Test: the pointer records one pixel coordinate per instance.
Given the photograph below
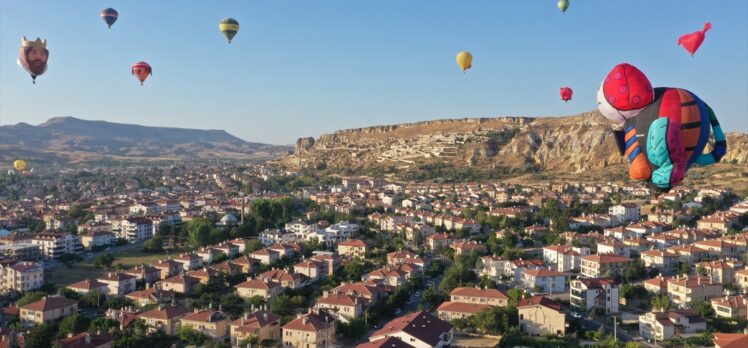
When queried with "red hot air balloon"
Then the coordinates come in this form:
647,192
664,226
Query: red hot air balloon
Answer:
566,93
142,70
692,41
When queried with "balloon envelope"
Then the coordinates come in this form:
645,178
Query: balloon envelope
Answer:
142,70
691,42
109,15
563,5
20,165
229,27
465,60
33,57
566,93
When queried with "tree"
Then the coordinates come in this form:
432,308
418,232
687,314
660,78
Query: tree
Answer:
104,325
635,271
433,296
40,336
68,259
661,302
683,268
354,329
253,245
154,245
191,336
30,298
104,261
73,324
232,304
94,299
515,295
198,230
354,270
704,309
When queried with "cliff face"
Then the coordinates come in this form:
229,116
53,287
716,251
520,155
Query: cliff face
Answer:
573,144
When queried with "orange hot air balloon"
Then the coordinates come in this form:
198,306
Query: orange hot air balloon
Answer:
566,93
142,70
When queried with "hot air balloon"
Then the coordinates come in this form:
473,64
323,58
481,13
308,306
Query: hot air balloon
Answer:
465,60
665,129
33,57
691,42
563,5
229,27
20,165
142,70
566,93
109,15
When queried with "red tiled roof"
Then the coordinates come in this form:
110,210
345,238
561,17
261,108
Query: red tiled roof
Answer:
474,292
312,322
167,312
421,325
460,307
49,303
539,301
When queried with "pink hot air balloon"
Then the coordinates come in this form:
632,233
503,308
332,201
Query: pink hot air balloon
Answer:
692,41
566,93
142,70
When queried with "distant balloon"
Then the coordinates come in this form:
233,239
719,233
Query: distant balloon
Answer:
229,27
33,57
563,5
465,60
142,70
109,15
691,42
566,93
20,165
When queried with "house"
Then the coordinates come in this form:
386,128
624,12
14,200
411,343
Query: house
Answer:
686,290
665,261
387,275
87,340
468,247
261,324
230,249
491,297
47,309
399,257
265,256
181,284
287,250
599,265
722,271
589,293
151,295
664,325
627,212
101,239
144,273
214,324
85,286
21,276
613,246
540,315
564,257
438,240
209,255
343,308
459,310
189,261
418,329
311,269
543,280
246,264
355,248
728,340
731,307
164,319
287,280
741,279
272,236
119,283
389,342
330,261
689,254
369,293
168,268
135,229
313,330
657,285
257,287
53,245
721,249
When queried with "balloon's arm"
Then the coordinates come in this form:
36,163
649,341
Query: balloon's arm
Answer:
720,143
619,135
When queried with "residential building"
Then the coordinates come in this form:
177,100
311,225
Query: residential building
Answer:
459,310
343,308
600,265
85,286
164,319
214,324
261,324
53,245
419,329
181,284
728,340
664,325
21,252
665,261
135,229
540,315
20,276
257,287
626,212
491,297
47,309
587,294
543,280
355,248
686,290
564,257
313,330
731,307
119,283
98,239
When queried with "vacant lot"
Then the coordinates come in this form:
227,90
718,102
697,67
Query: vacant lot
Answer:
475,341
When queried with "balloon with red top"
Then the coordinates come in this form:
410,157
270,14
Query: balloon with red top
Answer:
142,70
566,93
624,93
691,42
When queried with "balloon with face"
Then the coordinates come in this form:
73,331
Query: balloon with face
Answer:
141,70
33,56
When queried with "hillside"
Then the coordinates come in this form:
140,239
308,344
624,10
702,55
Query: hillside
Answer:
580,145
72,140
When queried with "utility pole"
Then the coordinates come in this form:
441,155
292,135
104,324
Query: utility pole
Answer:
615,329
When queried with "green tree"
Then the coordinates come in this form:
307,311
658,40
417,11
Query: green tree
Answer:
30,297
232,304
68,259
354,270
73,324
191,336
198,231
104,325
40,336
253,245
635,271
661,302
154,245
354,329
104,261
515,295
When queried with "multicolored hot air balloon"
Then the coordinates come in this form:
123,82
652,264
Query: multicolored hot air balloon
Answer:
563,5
465,60
691,42
142,70
109,15
19,164
566,93
33,57
665,129
229,27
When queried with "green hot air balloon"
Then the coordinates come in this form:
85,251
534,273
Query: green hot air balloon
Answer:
563,5
229,27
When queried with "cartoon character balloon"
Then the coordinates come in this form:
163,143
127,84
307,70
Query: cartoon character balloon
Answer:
142,70
19,164
563,5
229,27
691,42
465,60
566,93
665,129
33,57
109,15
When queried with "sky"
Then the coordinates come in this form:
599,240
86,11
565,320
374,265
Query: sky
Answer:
302,68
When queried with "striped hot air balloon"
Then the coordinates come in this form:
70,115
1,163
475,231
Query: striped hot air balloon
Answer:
109,15
229,27
142,70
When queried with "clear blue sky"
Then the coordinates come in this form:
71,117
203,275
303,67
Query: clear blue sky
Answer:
301,68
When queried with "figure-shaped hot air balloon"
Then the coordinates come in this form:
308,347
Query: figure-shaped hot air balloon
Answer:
142,70
691,42
465,60
109,15
665,129
19,164
566,93
229,27
563,5
33,57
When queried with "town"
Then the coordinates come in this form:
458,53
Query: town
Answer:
229,255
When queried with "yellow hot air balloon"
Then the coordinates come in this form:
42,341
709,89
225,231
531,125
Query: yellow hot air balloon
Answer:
465,60
20,165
